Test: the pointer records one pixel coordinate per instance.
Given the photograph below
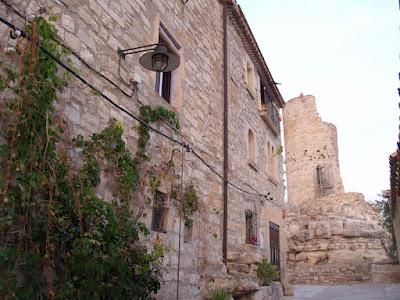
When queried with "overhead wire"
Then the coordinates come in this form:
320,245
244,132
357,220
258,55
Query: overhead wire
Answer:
75,54
188,147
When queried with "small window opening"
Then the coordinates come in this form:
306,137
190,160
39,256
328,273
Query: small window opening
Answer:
324,180
250,76
164,79
159,212
264,96
188,233
251,146
251,227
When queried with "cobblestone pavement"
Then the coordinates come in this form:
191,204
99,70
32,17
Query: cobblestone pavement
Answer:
346,292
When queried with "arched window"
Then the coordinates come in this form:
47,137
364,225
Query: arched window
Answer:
251,147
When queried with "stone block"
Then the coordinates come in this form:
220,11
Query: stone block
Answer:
385,273
68,22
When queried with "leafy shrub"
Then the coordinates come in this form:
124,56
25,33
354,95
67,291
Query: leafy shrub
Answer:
58,238
190,204
266,272
219,294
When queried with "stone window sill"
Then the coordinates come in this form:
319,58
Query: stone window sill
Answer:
252,164
250,91
273,180
267,119
252,247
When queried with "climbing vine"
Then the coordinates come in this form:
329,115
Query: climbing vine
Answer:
150,115
58,238
190,204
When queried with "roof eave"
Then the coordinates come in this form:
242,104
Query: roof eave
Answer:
252,47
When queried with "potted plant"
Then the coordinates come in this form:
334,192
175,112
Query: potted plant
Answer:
266,272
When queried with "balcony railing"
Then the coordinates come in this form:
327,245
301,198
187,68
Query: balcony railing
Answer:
271,116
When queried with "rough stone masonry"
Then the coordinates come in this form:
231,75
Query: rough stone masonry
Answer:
333,237
95,29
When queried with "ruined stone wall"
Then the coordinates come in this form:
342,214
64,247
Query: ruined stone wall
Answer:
332,238
95,29
309,142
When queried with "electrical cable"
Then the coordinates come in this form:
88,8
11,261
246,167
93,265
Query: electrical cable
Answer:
115,85
121,108
76,55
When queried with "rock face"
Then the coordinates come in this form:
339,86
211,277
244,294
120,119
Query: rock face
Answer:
333,237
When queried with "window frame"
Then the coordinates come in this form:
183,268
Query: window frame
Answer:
166,82
159,212
251,228
251,147
274,245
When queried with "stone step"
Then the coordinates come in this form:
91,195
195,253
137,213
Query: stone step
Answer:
385,273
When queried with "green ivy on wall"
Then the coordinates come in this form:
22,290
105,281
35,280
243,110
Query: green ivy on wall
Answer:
58,238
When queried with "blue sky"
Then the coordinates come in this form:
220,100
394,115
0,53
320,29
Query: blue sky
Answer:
346,54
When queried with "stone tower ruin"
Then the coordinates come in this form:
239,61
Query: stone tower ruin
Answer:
312,164
333,237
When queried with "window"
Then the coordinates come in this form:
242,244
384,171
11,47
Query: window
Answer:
187,233
264,95
269,159
272,161
250,76
274,245
163,79
251,147
324,181
166,81
251,227
163,85
159,212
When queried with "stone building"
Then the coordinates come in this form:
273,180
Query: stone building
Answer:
225,98
333,237
394,192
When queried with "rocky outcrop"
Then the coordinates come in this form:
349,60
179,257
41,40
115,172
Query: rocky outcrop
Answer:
334,239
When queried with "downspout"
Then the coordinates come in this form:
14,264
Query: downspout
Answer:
225,183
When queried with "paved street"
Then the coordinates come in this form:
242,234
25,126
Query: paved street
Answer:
346,292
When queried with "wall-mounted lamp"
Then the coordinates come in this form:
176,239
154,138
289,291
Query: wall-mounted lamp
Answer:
158,58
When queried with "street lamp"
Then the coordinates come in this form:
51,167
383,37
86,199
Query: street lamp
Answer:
157,58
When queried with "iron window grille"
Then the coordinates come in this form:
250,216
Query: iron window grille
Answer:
274,245
251,227
269,106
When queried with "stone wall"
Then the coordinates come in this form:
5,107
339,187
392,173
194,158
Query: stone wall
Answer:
309,142
331,238
334,239
95,29
394,194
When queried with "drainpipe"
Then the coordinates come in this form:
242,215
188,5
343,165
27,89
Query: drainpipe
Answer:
225,126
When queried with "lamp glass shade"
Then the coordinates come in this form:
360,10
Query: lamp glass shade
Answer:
159,60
